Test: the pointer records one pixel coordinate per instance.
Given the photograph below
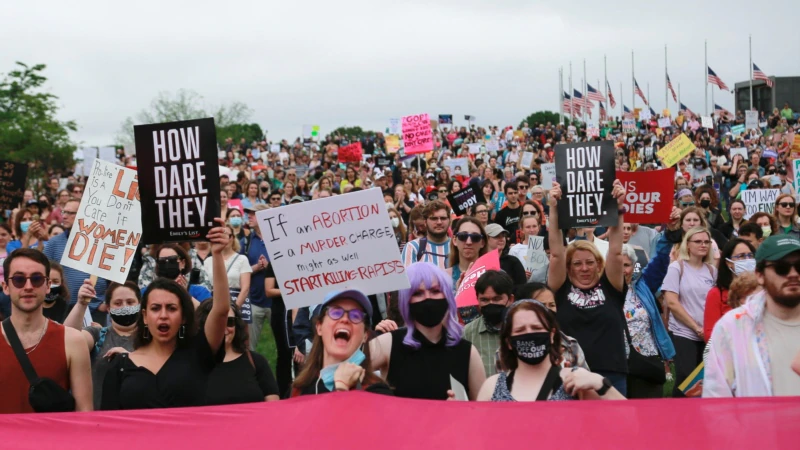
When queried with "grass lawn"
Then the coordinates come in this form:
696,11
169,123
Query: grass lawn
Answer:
266,346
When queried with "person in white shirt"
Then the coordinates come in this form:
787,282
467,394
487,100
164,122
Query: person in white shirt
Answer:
237,267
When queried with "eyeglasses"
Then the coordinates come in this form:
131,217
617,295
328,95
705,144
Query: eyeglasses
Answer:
786,204
231,322
443,191
782,268
337,312
69,213
438,219
687,204
473,237
530,213
19,281
533,179
483,211
742,256
701,243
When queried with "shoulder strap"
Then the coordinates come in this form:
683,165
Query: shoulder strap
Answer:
16,345
101,340
247,240
250,357
423,246
551,382
235,257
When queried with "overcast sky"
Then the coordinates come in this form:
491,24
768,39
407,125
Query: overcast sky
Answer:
360,62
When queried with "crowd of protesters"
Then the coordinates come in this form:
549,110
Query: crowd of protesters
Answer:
615,312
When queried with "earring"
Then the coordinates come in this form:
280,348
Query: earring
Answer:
146,333
182,332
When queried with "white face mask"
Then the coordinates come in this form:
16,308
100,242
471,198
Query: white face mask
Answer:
743,266
389,205
395,222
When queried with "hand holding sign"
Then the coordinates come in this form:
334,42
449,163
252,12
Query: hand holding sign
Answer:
555,194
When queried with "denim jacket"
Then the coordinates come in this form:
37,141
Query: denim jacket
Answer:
646,287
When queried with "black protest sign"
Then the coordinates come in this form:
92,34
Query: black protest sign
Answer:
178,180
383,162
463,199
12,184
585,171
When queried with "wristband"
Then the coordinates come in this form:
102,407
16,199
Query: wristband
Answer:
340,381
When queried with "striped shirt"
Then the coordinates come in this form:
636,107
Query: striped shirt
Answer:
485,341
54,250
438,254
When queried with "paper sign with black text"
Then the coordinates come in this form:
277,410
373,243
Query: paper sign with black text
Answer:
462,200
527,160
648,195
108,225
759,200
586,173
178,179
457,166
12,184
548,175
335,243
536,256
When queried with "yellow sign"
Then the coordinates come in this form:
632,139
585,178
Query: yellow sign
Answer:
636,112
659,131
676,150
666,113
392,143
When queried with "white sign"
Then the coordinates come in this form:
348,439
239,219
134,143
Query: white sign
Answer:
335,243
457,166
644,115
592,129
474,148
739,151
108,225
492,145
395,126
536,256
664,122
527,160
759,200
275,148
707,122
548,175
751,120
89,155
108,154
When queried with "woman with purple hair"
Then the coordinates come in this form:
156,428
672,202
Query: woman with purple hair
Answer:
419,361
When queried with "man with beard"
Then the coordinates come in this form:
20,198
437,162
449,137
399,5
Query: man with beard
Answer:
753,346
54,351
495,293
73,279
435,246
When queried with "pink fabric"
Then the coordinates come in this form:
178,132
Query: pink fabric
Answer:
359,420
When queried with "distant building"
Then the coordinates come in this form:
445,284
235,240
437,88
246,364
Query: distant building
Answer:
785,89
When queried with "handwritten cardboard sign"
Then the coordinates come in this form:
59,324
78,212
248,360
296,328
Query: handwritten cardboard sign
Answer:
12,184
466,295
335,243
417,134
548,175
707,122
759,200
648,196
751,120
664,122
536,256
108,225
676,150
352,153
178,179
629,125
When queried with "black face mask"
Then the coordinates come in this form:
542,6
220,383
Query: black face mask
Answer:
429,312
125,316
55,293
265,189
705,203
531,348
493,313
168,267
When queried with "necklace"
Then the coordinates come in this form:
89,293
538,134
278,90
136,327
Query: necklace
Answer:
40,338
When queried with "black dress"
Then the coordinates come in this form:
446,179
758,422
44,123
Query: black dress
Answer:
237,381
425,372
180,382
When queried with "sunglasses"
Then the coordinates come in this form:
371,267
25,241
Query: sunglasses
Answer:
231,322
530,213
687,204
782,268
786,204
337,312
442,191
474,237
19,281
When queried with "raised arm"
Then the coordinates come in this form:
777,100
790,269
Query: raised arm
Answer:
218,316
557,272
614,270
244,288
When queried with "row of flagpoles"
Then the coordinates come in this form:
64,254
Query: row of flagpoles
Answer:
579,103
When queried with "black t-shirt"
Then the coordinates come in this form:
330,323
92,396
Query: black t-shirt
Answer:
270,273
57,312
425,372
595,318
508,218
181,381
238,381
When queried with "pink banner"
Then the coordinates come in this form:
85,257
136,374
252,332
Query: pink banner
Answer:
235,203
417,134
357,420
466,296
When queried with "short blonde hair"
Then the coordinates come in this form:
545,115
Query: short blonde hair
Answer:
683,252
574,246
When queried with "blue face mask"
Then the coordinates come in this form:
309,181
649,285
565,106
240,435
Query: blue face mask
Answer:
326,374
235,221
24,226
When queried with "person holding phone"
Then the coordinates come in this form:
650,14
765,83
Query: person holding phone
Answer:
172,262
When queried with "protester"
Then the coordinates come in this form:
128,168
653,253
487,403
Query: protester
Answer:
751,233
530,349
236,221
753,347
237,268
590,293
54,351
497,239
730,229
167,343
685,289
529,227
481,213
738,258
340,359
55,302
420,360
508,217
5,238
494,290
434,247
785,215
468,244
255,249
399,228
174,263
243,376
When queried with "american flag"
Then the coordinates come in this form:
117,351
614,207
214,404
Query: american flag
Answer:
686,111
638,91
652,113
603,115
671,89
759,75
714,79
627,112
579,99
592,94
721,110
611,100
568,106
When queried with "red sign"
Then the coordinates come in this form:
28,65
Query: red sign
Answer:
466,295
236,203
351,153
648,195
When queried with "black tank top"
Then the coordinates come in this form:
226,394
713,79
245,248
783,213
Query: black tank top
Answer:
425,372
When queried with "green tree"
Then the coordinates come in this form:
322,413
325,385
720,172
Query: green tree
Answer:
249,131
542,117
186,105
29,130
352,132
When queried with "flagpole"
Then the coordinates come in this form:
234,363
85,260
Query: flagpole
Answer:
751,71
666,89
585,100
605,75
712,91
571,96
679,98
648,94
621,101
633,83
561,95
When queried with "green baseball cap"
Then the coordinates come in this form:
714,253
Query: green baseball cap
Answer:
776,247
